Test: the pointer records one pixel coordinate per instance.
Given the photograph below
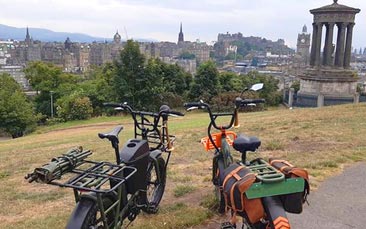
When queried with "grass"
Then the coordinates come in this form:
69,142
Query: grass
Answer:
182,190
320,140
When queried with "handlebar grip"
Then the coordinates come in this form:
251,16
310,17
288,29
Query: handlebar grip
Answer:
176,113
165,109
243,102
112,104
192,104
258,100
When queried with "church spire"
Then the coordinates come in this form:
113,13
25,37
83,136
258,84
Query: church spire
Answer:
181,36
28,39
27,36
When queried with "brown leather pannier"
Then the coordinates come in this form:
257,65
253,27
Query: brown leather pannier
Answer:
237,180
292,202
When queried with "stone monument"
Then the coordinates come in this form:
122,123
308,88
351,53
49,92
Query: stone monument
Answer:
329,79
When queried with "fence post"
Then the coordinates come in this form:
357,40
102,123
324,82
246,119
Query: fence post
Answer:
291,97
320,100
356,98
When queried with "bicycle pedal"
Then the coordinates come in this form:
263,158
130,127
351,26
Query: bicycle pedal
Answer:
227,225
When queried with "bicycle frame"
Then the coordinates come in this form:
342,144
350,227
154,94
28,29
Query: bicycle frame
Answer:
269,183
118,190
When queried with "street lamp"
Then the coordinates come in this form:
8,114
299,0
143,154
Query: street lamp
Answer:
51,93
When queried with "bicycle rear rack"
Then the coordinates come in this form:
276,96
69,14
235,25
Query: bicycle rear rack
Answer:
93,176
271,182
265,172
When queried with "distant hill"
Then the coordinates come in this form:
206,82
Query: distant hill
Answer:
46,35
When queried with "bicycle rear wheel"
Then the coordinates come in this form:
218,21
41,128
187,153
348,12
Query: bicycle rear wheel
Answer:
155,186
87,215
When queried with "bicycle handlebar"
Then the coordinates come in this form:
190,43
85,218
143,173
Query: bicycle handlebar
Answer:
213,116
239,102
164,111
199,105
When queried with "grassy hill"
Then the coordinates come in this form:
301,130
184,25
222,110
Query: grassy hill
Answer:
320,140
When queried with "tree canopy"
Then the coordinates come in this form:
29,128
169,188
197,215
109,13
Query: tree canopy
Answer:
48,79
147,84
129,80
16,113
206,83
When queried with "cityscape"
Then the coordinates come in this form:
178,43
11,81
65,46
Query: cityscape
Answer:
266,56
248,114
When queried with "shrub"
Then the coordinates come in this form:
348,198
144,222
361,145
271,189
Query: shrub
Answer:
74,107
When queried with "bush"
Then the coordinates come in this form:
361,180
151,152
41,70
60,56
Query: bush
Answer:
74,107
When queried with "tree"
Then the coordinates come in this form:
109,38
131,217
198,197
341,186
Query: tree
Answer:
99,87
47,78
16,113
175,79
227,82
172,81
270,89
129,78
205,84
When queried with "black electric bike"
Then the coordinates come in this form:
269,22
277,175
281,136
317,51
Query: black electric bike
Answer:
108,193
262,203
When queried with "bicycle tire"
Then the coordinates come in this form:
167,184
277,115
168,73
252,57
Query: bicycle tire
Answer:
218,164
86,214
221,200
155,189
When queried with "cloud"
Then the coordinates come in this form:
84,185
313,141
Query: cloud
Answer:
202,19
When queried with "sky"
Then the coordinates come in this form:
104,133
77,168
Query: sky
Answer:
160,19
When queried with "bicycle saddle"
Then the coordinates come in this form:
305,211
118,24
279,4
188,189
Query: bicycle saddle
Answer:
113,135
245,143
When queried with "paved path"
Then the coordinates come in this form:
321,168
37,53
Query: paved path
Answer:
340,202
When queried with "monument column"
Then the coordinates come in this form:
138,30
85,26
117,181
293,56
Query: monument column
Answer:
318,43
313,46
328,47
347,54
339,56
329,79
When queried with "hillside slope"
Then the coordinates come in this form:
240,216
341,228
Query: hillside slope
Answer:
320,140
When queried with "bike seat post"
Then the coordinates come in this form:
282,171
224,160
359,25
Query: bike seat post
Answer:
244,157
116,150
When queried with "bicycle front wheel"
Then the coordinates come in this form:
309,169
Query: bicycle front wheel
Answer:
155,178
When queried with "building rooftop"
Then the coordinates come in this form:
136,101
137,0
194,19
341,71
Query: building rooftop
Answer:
335,7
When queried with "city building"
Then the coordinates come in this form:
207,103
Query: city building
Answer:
303,45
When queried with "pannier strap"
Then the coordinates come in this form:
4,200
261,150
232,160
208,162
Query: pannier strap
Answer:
232,199
290,170
233,173
238,179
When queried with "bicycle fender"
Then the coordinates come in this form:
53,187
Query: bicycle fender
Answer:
155,154
275,211
86,202
80,211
